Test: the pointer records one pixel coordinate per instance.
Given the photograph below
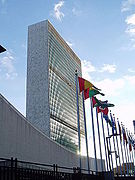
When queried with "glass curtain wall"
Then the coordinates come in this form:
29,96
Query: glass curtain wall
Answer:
62,93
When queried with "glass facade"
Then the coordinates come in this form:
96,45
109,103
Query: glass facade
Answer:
62,92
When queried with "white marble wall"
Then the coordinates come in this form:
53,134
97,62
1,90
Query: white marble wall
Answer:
37,100
20,139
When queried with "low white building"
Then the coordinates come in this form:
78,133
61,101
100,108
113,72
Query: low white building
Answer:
21,140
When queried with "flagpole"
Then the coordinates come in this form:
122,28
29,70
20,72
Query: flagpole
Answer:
133,155
118,148
105,143
93,133
86,139
125,153
133,162
134,158
110,145
114,147
121,148
99,141
78,119
129,150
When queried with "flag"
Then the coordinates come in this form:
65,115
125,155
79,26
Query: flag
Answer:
130,147
84,84
132,141
103,110
86,93
134,125
113,123
134,147
99,105
93,92
90,92
107,119
93,101
119,131
103,104
124,135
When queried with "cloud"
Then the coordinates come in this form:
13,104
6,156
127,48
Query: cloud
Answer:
76,12
131,70
111,87
125,112
57,13
87,68
111,68
130,79
7,66
130,19
127,5
130,30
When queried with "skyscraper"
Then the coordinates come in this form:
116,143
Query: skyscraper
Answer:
51,93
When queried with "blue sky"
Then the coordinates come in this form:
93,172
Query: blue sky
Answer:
102,33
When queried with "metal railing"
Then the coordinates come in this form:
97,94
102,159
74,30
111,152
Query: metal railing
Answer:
13,169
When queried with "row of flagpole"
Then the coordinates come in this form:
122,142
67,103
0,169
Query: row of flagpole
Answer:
123,155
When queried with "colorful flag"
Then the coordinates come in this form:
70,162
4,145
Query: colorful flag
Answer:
86,93
134,147
124,135
93,101
90,92
103,104
130,147
132,141
113,123
107,119
98,104
93,92
103,110
119,131
134,125
84,84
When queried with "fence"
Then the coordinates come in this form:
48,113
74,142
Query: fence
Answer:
12,169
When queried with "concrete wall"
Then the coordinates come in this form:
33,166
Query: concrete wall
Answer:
37,101
20,139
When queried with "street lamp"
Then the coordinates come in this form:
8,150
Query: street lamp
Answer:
2,49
